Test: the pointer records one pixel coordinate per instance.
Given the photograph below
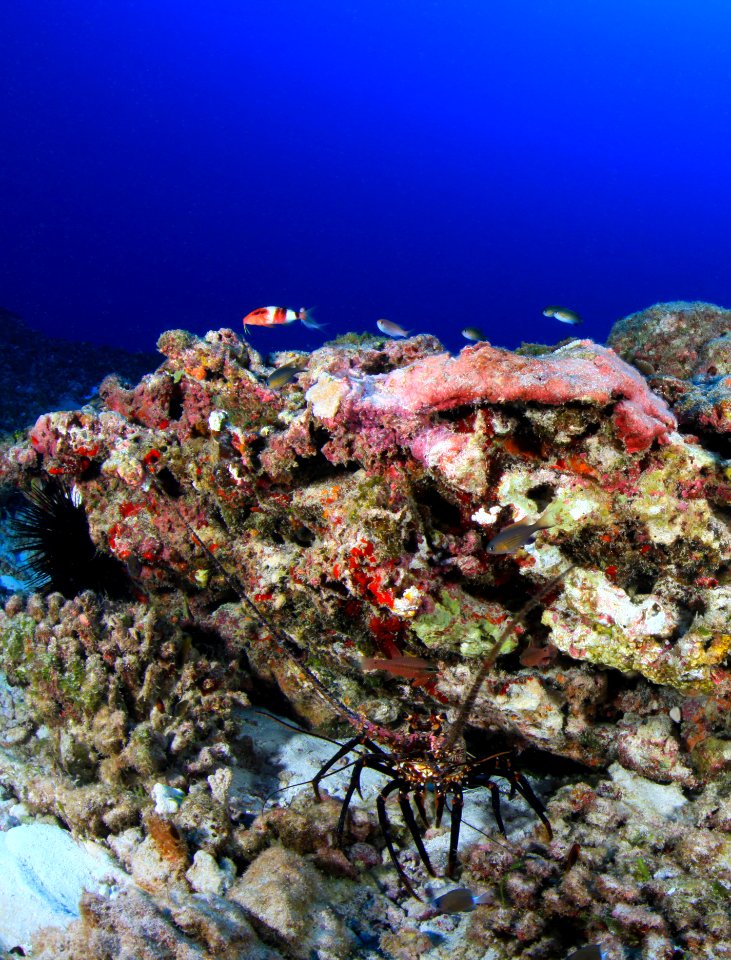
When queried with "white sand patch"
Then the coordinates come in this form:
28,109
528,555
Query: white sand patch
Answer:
43,872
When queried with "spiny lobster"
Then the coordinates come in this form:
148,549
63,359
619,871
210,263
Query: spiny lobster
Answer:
426,756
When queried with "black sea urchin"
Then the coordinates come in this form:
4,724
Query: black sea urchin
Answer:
53,533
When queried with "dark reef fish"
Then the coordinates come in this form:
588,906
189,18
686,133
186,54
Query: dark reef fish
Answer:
285,374
459,900
517,535
473,333
538,656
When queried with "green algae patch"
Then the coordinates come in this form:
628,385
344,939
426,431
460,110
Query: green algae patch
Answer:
355,340
640,871
572,504
16,646
712,757
366,506
595,620
60,682
464,625
671,518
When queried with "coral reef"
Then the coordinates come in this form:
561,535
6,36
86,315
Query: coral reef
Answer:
685,351
354,508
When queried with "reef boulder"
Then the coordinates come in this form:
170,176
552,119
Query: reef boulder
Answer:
357,504
684,349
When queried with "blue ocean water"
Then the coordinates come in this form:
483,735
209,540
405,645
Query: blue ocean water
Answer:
437,163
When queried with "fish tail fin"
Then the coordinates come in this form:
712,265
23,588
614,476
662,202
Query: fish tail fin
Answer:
308,320
544,521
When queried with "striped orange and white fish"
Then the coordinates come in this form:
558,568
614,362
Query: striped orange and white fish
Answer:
272,316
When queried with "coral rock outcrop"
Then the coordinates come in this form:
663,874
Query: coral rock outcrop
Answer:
354,508
684,349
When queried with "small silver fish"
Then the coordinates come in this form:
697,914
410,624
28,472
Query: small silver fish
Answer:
391,329
473,333
517,535
282,375
459,900
563,314
592,952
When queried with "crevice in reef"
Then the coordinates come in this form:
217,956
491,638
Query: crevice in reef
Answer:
266,695
207,642
542,495
317,467
456,415
229,595
718,443
525,439
169,483
176,405
255,448
531,761
436,511
298,533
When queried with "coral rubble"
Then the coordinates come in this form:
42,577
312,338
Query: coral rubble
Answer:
354,507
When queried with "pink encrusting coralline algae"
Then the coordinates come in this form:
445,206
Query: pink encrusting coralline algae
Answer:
582,371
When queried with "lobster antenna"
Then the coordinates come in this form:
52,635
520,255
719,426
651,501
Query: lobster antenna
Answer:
283,639
455,731
294,726
304,783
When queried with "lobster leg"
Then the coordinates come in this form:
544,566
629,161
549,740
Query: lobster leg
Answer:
457,805
361,741
410,820
438,807
342,752
483,780
374,763
421,806
495,798
388,836
352,787
521,785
